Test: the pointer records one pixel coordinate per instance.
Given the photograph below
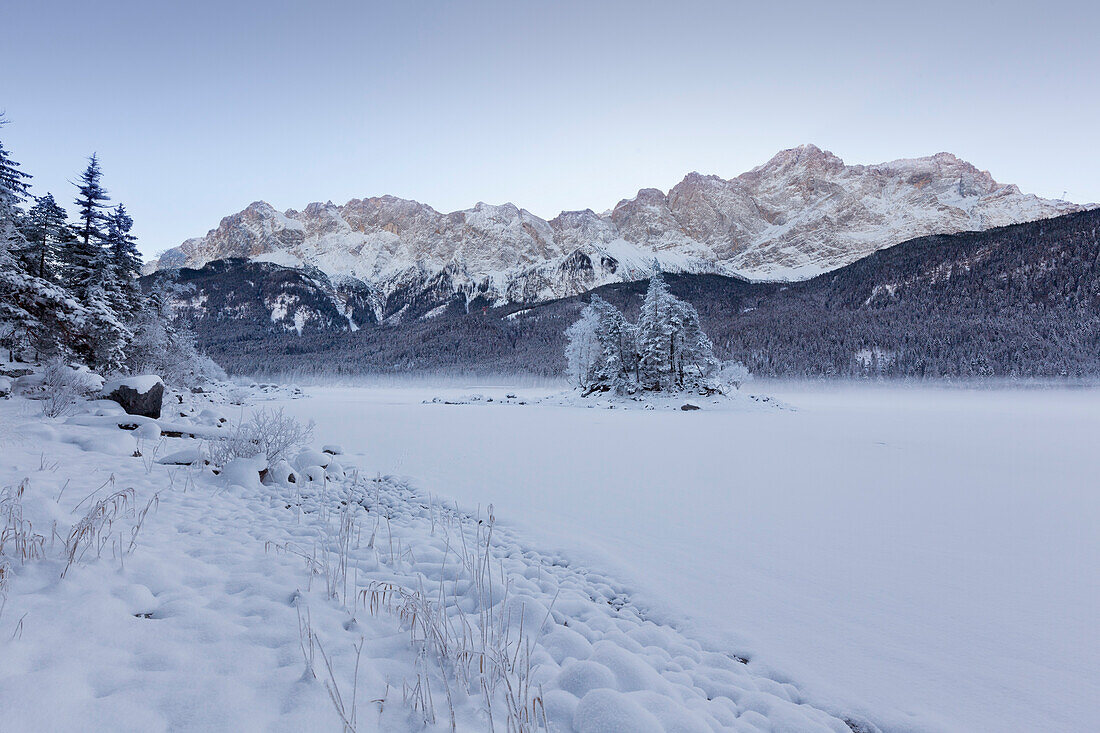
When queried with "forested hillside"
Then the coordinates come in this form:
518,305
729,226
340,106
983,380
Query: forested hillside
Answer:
1015,301
69,290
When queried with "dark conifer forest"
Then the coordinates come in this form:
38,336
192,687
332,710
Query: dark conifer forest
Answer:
1018,301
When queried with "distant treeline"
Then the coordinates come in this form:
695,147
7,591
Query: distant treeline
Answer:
1018,301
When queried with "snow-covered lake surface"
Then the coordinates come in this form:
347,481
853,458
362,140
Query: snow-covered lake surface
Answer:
927,557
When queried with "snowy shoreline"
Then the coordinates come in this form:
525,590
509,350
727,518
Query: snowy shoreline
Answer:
208,614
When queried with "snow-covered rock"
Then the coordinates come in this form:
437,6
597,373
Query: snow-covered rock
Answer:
138,395
313,474
148,431
185,457
308,458
28,383
279,474
244,472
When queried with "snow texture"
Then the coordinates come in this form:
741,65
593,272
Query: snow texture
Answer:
195,600
917,557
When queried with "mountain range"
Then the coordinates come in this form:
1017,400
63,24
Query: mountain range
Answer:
802,213
1014,301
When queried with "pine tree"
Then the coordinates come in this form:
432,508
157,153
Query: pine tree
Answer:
45,230
16,320
83,254
125,259
13,190
655,339
33,312
617,348
107,331
695,363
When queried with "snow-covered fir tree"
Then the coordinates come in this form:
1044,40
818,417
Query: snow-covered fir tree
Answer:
125,261
656,338
694,363
73,292
34,313
666,352
13,190
84,254
45,230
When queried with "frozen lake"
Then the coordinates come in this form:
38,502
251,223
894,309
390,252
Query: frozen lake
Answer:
927,557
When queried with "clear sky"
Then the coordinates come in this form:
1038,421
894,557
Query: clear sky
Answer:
198,108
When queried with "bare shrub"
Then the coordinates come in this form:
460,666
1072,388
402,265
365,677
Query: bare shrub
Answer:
62,388
271,433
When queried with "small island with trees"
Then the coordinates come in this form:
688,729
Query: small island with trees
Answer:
666,352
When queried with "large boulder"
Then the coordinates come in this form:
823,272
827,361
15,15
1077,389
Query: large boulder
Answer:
140,395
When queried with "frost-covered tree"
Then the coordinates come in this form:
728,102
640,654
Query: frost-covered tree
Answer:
656,338
162,345
734,374
125,261
694,363
84,254
600,352
667,351
45,230
617,347
583,350
34,313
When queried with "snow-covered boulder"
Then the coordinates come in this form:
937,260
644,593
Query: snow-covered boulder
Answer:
243,472
114,443
313,474
104,408
279,473
334,471
147,431
186,457
140,395
309,458
28,383
5,386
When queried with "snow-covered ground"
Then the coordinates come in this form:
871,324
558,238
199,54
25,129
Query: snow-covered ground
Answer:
927,558
912,559
140,594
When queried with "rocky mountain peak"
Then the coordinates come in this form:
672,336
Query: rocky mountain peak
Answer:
802,212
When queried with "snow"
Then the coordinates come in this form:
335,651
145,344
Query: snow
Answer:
917,559
140,383
918,556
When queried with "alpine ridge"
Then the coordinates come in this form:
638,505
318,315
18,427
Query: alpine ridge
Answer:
802,213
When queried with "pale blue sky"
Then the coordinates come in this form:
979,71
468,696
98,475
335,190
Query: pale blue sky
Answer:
197,108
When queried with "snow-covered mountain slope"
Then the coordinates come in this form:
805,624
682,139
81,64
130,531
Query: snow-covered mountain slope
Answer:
802,213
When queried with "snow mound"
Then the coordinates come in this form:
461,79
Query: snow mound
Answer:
140,383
